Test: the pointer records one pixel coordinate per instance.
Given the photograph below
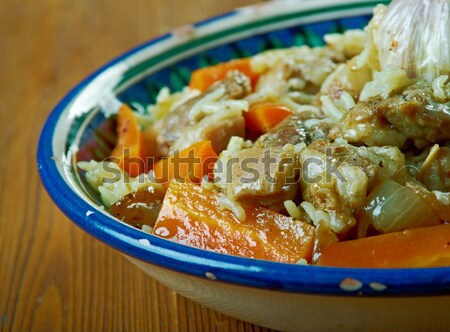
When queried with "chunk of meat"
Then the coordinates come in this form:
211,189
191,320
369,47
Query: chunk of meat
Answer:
303,127
366,124
337,177
218,128
187,124
389,161
266,176
419,115
289,131
275,80
434,172
416,114
312,73
311,65
332,186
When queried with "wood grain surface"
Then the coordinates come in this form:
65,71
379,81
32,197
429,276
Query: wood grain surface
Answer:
54,277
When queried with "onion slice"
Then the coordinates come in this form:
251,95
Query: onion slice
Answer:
391,207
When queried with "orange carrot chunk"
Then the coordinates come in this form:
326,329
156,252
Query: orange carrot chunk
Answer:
419,247
191,215
189,164
203,78
130,150
262,117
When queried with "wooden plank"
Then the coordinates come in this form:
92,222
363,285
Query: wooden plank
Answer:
54,277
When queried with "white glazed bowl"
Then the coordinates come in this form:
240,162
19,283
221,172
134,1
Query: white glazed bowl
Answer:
281,296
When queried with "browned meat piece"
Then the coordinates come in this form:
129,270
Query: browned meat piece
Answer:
340,153
217,127
140,207
336,178
179,129
420,116
434,172
366,124
312,70
266,176
295,129
415,114
170,127
289,131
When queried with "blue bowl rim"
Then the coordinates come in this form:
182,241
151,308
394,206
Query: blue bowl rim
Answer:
226,268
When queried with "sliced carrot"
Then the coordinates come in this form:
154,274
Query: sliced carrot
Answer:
419,247
203,78
189,164
262,117
130,149
191,215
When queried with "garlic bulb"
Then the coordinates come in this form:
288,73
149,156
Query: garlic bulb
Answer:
414,35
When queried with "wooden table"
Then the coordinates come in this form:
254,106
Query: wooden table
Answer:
54,277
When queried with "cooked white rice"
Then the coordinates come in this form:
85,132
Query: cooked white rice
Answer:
439,87
385,82
167,102
332,110
326,69
237,143
317,216
292,209
112,183
351,42
346,101
224,203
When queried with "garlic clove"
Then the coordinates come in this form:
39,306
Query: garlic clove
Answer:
413,35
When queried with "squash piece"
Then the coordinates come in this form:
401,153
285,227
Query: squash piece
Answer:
190,164
191,215
264,116
418,247
131,150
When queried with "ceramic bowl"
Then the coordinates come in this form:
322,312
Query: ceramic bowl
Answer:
280,296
